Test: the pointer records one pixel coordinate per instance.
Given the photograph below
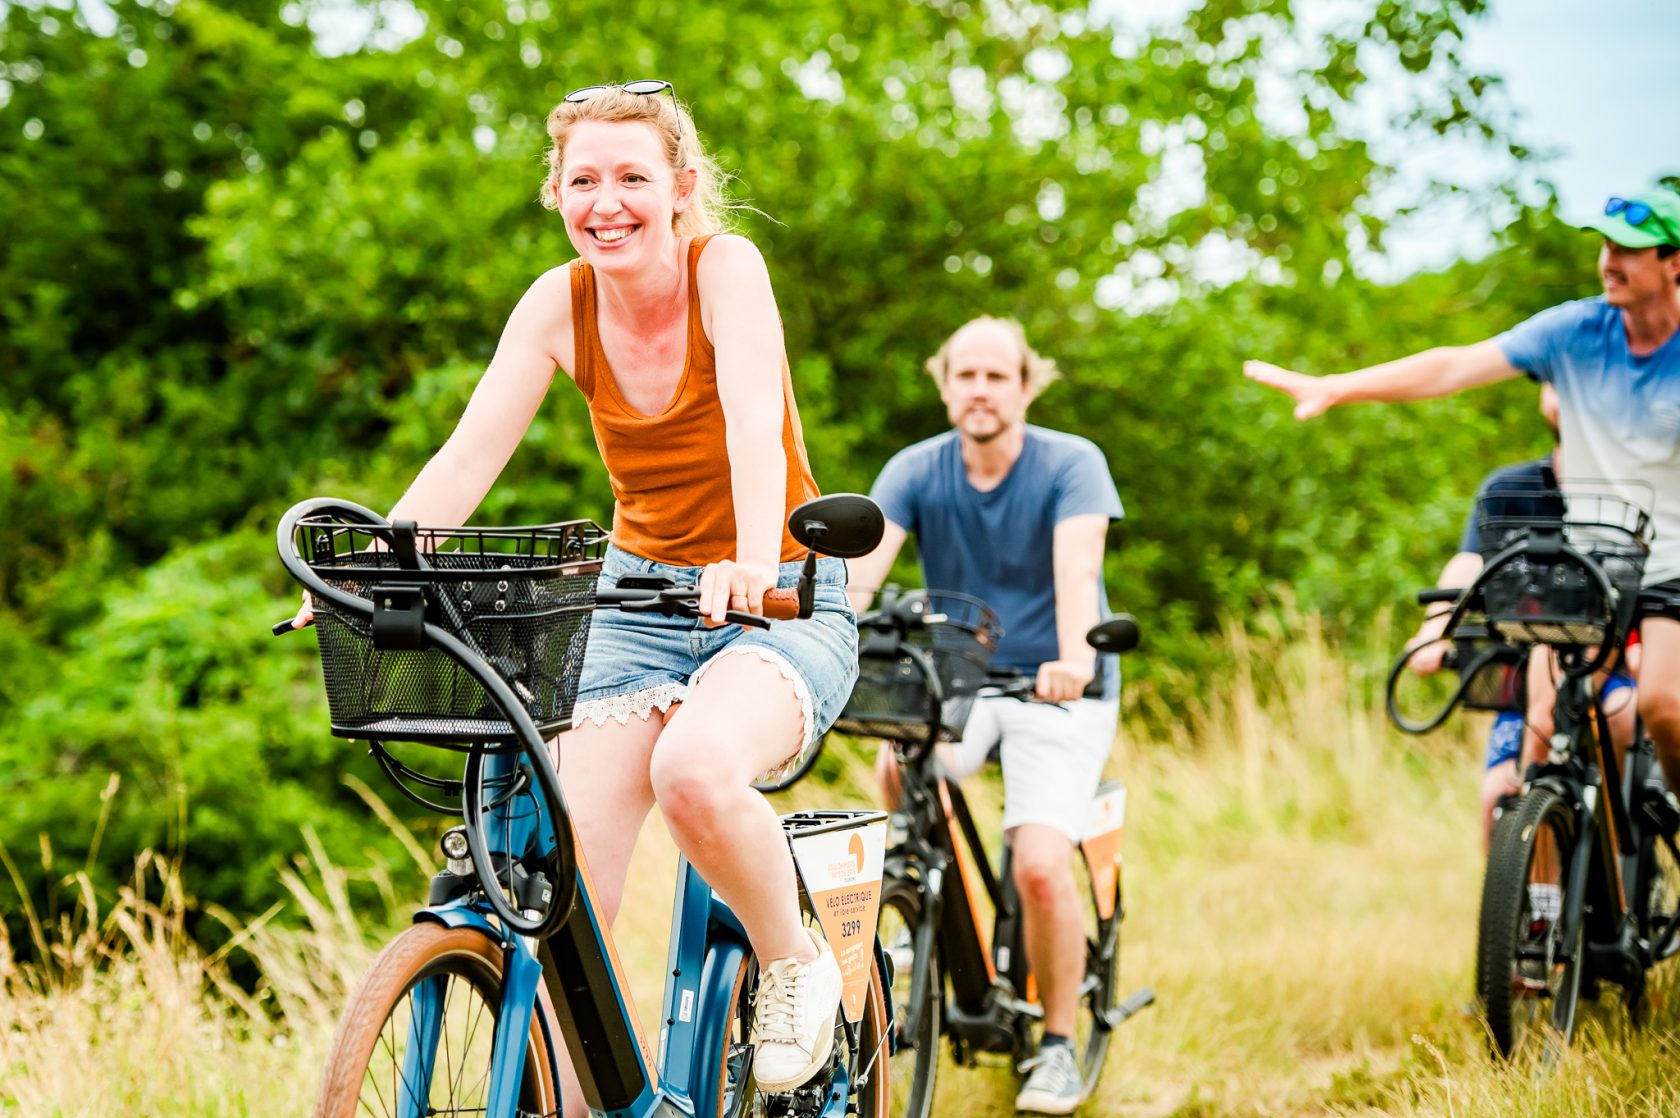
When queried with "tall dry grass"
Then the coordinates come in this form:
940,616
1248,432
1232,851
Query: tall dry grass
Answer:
1302,885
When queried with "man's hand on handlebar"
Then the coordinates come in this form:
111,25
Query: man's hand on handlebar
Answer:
1430,656
1062,681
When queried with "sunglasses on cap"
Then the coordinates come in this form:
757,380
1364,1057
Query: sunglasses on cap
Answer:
642,86
1637,214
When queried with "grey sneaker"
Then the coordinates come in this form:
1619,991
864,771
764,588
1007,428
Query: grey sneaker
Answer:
1053,1084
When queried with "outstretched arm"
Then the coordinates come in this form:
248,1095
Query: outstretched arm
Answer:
1422,376
864,576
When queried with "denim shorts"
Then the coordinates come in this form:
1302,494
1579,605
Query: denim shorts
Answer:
639,662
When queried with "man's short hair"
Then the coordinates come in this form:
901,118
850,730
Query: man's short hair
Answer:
1037,370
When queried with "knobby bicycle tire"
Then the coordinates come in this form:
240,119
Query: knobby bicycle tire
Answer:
1526,979
363,1068
738,1094
915,1060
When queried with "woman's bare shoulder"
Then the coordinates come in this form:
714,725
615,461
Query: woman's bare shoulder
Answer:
544,315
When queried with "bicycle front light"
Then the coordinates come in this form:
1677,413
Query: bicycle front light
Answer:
454,844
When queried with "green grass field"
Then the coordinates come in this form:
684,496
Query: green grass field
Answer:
1302,885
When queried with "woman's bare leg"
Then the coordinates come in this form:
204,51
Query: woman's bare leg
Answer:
741,718
604,774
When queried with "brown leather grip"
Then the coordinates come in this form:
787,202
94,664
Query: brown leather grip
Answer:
781,604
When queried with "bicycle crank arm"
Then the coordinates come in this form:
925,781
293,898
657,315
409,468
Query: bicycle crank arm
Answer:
1137,1002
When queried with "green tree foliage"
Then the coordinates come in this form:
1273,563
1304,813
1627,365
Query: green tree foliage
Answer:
236,271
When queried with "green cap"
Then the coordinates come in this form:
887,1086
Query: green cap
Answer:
1661,227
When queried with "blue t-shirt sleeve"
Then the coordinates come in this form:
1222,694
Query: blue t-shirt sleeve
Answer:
1084,486
896,488
1531,346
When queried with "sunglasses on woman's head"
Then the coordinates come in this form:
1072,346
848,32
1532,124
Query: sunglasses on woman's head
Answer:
641,86
1637,214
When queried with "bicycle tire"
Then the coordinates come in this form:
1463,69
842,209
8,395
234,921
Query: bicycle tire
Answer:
797,773
738,1095
1521,967
915,1060
363,1067
1099,993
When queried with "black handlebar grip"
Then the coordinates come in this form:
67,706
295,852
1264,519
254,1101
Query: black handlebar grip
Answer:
1439,594
281,628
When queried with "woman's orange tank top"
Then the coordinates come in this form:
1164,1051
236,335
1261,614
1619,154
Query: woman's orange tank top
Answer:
670,472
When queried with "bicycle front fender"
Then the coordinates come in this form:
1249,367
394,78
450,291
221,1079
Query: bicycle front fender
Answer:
522,997
713,1013
459,914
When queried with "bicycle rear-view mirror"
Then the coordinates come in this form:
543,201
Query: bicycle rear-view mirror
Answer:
845,525
1118,634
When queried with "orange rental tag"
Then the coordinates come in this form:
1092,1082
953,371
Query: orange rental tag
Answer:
1105,821
842,873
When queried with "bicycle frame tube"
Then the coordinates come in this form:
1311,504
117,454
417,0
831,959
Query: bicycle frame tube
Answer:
707,947
1583,778
963,934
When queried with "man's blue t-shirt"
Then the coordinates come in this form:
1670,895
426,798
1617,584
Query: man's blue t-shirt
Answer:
1526,489
997,545
1619,413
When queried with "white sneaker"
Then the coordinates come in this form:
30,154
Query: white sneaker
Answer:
1053,1084
793,1019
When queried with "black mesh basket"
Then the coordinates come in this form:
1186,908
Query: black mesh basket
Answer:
521,598
1545,597
957,634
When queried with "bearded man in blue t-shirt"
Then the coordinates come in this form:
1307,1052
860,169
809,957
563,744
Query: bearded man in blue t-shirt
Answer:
1017,516
1615,361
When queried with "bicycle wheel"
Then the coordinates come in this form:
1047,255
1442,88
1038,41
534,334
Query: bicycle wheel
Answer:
738,1093
1527,978
446,982
915,1059
1100,990
783,781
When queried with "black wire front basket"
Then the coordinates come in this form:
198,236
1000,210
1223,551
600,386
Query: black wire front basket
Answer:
955,634
1543,595
520,598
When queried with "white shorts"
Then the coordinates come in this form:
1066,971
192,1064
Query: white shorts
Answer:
1053,757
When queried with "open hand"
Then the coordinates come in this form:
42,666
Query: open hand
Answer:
1312,395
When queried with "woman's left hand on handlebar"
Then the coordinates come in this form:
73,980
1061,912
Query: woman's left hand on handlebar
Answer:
1062,681
729,585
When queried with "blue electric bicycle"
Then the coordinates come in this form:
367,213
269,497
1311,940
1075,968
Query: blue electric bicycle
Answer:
471,640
